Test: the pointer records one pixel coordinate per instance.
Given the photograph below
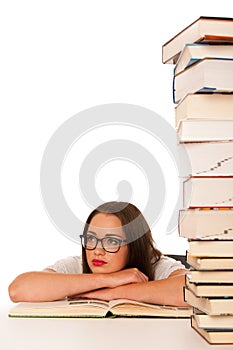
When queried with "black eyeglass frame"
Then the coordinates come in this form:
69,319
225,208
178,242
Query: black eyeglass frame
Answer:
101,240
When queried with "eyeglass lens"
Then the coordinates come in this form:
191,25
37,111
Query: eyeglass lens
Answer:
110,244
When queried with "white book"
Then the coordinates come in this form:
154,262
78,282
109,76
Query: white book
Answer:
212,248
205,30
213,336
191,53
199,223
206,75
204,107
216,158
213,322
206,289
72,308
207,192
209,263
205,130
211,306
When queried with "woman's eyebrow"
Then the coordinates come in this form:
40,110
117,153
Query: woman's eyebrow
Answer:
92,232
107,235
113,235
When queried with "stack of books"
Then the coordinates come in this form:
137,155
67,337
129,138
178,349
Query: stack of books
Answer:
203,95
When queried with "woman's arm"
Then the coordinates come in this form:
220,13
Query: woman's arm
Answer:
168,291
48,285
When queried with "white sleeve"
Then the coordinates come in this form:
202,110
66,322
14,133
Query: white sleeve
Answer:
165,266
72,264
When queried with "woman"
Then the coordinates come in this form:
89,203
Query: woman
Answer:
119,260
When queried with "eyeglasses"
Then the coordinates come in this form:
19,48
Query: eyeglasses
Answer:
109,244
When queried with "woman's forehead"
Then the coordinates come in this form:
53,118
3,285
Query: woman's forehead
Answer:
106,220
104,224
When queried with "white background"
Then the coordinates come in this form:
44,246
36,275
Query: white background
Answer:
57,59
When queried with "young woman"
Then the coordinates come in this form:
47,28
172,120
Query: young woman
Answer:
119,260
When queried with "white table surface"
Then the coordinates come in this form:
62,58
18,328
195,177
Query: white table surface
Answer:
99,334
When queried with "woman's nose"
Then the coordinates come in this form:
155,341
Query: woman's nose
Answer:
99,249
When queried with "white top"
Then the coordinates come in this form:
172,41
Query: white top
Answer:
73,264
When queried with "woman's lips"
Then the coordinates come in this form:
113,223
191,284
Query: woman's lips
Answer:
96,262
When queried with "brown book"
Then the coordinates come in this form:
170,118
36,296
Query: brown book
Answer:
205,30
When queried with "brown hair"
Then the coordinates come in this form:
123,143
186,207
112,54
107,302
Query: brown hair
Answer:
141,247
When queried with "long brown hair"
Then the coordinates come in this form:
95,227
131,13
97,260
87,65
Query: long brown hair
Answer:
141,247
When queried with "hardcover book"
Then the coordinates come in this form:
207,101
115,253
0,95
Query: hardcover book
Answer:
209,263
195,52
205,130
216,158
214,277
205,29
210,290
97,308
213,336
205,222
201,106
210,306
208,192
213,322
206,75
211,247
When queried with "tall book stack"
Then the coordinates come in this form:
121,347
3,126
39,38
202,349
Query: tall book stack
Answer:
202,55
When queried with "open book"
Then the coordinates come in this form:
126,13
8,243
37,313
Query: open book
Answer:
97,308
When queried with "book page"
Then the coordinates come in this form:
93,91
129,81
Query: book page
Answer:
88,302
42,305
126,302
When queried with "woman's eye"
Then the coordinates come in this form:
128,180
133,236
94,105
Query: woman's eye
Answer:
113,241
90,239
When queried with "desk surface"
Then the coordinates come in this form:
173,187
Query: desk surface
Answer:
99,334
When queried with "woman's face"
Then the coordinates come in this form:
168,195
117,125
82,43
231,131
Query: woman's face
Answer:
106,225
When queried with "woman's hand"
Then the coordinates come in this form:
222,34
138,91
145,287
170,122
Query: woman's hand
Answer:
115,280
132,275
102,294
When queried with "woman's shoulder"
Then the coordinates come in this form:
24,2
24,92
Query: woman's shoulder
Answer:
71,264
165,266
